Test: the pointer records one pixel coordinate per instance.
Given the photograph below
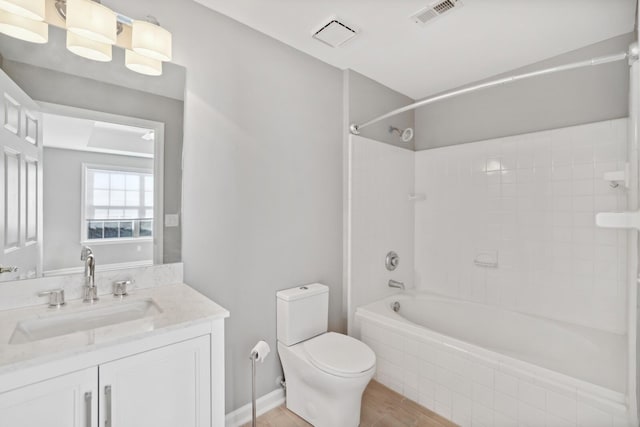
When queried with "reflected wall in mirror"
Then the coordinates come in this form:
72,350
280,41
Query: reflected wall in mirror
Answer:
91,155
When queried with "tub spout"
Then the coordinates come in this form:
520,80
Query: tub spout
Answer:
396,284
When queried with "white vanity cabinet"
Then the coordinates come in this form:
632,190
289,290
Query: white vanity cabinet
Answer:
66,401
165,369
167,387
164,387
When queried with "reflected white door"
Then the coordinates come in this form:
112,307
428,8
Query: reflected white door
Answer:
20,183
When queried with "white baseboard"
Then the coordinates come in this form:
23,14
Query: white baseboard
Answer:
264,404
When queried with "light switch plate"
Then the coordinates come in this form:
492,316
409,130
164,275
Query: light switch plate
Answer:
172,220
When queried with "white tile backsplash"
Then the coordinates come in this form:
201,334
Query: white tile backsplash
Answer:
533,199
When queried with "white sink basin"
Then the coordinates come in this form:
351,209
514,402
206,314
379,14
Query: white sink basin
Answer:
82,319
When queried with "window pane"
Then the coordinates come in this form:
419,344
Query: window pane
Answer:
117,181
126,229
116,214
115,205
95,230
133,198
117,198
131,213
100,214
110,230
101,180
133,182
146,228
100,197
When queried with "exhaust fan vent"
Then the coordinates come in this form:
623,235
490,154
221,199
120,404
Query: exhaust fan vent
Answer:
435,10
444,6
335,33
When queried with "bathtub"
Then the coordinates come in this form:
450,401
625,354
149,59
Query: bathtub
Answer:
484,366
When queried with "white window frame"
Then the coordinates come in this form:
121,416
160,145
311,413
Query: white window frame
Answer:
83,204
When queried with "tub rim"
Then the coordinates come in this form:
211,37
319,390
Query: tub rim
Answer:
563,383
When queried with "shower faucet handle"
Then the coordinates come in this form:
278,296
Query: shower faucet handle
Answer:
392,260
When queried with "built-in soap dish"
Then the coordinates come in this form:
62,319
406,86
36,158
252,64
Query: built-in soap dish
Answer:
617,178
417,197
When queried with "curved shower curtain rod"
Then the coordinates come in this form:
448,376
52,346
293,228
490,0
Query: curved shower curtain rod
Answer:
355,128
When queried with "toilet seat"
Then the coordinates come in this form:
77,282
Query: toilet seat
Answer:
339,354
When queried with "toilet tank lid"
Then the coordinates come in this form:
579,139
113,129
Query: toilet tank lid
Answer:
304,291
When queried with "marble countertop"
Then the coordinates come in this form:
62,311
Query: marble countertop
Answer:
180,306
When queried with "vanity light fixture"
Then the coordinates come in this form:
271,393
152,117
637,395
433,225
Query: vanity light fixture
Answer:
142,64
151,40
30,9
90,49
92,31
92,20
22,28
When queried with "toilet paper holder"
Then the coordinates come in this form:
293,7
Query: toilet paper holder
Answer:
258,352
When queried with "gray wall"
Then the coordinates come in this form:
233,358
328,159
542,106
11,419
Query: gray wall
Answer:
262,185
59,88
62,195
262,177
366,99
563,99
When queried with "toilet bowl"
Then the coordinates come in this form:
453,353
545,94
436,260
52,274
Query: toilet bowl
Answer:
325,372
326,377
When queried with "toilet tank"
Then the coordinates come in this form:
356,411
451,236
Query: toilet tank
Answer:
302,313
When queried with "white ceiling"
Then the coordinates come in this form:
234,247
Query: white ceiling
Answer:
479,40
72,133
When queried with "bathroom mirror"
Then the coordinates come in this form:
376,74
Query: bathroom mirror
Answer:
92,156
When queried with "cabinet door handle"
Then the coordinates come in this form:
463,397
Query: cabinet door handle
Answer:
107,404
87,404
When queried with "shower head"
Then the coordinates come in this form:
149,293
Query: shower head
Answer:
406,135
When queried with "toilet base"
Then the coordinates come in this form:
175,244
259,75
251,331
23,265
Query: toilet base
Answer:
321,399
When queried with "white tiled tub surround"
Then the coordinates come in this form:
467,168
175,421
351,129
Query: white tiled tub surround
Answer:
480,388
380,219
533,199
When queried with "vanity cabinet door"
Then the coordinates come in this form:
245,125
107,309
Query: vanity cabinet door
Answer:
66,401
166,387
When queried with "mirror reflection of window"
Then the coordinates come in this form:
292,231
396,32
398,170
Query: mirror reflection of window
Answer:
99,190
118,204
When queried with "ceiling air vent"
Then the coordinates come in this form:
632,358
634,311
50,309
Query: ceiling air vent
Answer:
434,11
334,33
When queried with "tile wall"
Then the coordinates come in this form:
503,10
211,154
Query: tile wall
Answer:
531,200
380,219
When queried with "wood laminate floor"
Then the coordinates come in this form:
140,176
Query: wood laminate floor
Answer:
381,407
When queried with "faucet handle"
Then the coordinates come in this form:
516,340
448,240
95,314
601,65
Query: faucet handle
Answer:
56,297
120,288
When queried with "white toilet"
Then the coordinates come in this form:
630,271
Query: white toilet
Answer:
326,372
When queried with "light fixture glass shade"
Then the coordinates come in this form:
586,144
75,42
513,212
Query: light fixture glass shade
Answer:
151,40
142,64
32,9
92,20
23,28
89,49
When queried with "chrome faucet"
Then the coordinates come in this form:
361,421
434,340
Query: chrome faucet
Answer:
396,284
90,290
